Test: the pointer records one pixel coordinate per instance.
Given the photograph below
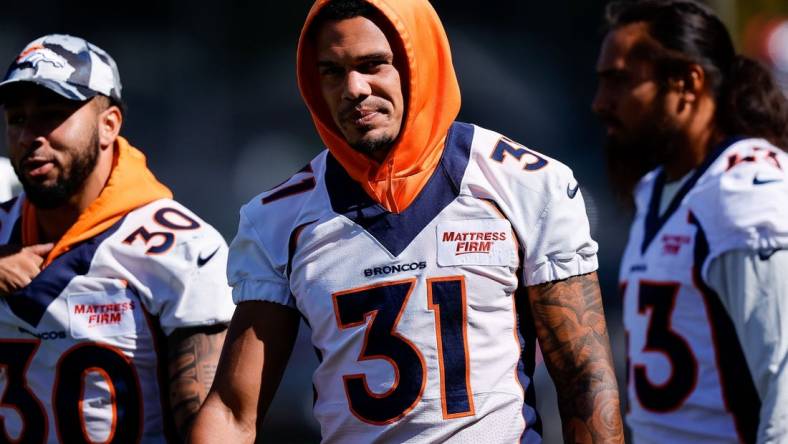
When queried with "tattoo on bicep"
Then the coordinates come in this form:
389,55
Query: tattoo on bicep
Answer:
570,324
192,366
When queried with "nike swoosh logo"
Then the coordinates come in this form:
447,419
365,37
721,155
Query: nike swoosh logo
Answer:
204,260
756,181
765,253
572,192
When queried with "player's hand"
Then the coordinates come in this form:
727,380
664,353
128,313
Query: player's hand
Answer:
18,266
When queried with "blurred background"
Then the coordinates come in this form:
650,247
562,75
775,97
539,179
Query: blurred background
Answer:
213,102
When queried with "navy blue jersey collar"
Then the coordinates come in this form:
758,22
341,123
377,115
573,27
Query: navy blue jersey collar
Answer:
654,221
31,302
395,231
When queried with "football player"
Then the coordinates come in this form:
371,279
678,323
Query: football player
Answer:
703,276
113,297
427,256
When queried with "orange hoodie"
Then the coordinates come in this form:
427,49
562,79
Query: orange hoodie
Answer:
131,185
433,102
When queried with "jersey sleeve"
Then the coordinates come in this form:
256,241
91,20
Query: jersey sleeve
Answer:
755,294
9,214
256,272
559,244
544,204
186,285
744,206
9,184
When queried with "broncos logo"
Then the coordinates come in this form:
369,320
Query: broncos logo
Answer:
34,56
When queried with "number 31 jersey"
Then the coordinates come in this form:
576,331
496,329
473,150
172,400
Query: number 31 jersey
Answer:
688,380
80,357
413,314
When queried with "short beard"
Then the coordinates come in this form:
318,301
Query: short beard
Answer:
630,158
369,147
72,181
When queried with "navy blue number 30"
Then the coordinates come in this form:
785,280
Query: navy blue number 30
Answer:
16,358
74,364
380,308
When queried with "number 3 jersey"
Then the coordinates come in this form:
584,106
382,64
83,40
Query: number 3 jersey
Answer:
413,314
688,380
81,347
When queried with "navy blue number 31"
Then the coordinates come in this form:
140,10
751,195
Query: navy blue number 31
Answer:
380,307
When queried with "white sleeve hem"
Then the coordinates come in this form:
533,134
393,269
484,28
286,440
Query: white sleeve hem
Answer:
170,328
560,267
268,291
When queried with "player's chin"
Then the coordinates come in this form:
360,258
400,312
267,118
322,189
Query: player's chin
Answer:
372,141
617,139
42,183
46,197
613,130
356,134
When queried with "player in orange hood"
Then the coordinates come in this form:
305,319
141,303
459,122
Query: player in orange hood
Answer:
397,170
427,256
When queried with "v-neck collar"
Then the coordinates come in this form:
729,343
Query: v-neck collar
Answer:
30,303
395,231
654,221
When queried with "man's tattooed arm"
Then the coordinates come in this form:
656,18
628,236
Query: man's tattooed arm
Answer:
193,356
570,324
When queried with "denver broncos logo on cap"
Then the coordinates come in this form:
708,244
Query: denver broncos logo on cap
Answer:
28,50
38,54
67,65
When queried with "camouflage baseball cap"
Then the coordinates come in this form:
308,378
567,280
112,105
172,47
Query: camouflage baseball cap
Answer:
70,66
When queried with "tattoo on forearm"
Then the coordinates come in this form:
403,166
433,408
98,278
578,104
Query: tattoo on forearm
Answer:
570,323
192,365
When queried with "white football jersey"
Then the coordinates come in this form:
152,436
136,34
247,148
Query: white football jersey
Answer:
9,185
79,359
688,380
413,314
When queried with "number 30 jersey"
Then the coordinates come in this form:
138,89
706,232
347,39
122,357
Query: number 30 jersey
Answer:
413,314
688,380
80,357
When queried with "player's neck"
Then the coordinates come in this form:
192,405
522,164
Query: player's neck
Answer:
701,135
54,222
379,155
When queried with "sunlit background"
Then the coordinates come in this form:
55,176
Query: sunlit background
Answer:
213,102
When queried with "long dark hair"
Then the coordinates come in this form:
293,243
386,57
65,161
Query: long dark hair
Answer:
749,103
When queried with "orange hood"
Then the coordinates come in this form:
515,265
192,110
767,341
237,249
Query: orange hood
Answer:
131,185
433,101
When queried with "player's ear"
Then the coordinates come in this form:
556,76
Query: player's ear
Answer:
693,84
109,122
689,86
